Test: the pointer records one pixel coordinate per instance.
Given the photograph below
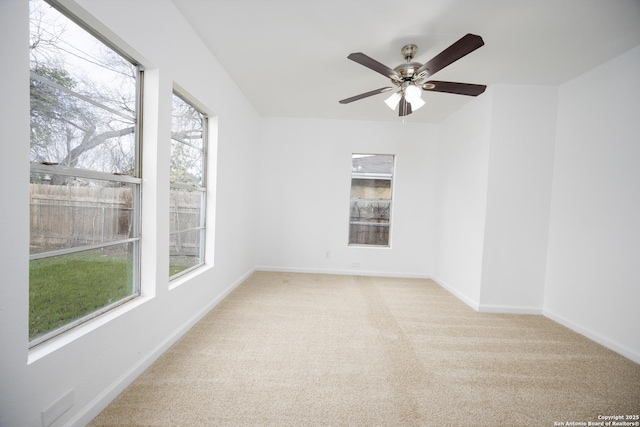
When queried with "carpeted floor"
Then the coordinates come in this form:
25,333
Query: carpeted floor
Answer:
302,349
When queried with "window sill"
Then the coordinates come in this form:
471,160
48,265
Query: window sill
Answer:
71,335
178,281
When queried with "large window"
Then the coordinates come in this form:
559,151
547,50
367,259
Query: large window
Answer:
188,187
85,178
371,188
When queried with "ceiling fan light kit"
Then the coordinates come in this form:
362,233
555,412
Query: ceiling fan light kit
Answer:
393,100
409,78
412,93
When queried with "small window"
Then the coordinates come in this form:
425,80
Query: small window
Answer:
85,180
188,187
371,189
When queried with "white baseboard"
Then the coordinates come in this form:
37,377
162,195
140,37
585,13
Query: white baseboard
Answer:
462,297
614,346
351,272
487,308
507,309
98,404
593,336
484,308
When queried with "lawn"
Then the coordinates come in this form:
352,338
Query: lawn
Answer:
65,288
179,263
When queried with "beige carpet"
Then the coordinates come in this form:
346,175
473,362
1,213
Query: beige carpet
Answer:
301,349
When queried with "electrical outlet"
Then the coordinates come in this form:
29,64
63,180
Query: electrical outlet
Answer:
328,255
355,264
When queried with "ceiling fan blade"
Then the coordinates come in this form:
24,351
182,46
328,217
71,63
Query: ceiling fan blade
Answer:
365,95
462,47
371,63
405,107
468,89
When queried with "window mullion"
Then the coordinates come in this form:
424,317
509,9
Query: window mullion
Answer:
181,141
83,173
190,187
67,251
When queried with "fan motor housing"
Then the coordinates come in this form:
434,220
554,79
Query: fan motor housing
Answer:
408,69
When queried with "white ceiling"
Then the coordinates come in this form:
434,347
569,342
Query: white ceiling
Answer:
289,57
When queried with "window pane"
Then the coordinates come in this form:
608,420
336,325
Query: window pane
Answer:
83,97
67,54
66,288
187,164
370,209
369,234
69,131
185,250
370,188
187,123
185,209
188,195
67,212
372,165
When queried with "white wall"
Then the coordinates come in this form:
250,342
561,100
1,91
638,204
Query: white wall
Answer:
14,227
303,208
592,280
456,224
463,166
519,193
98,359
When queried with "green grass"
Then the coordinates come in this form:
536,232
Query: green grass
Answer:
65,288
180,263
175,269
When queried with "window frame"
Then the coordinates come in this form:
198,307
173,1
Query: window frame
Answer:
135,179
201,229
379,176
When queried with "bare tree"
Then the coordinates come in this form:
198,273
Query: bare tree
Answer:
187,129
82,97
83,103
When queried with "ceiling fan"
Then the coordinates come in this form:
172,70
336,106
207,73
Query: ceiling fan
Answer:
410,78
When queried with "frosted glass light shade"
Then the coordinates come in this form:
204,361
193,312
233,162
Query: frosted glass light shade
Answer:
393,100
416,103
413,97
412,93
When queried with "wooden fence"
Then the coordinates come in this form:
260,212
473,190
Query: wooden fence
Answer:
369,222
64,216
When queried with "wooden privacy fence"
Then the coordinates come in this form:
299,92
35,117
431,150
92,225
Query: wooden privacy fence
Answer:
184,219
369,222
64,216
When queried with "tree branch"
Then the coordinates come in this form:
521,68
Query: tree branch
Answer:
89,142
